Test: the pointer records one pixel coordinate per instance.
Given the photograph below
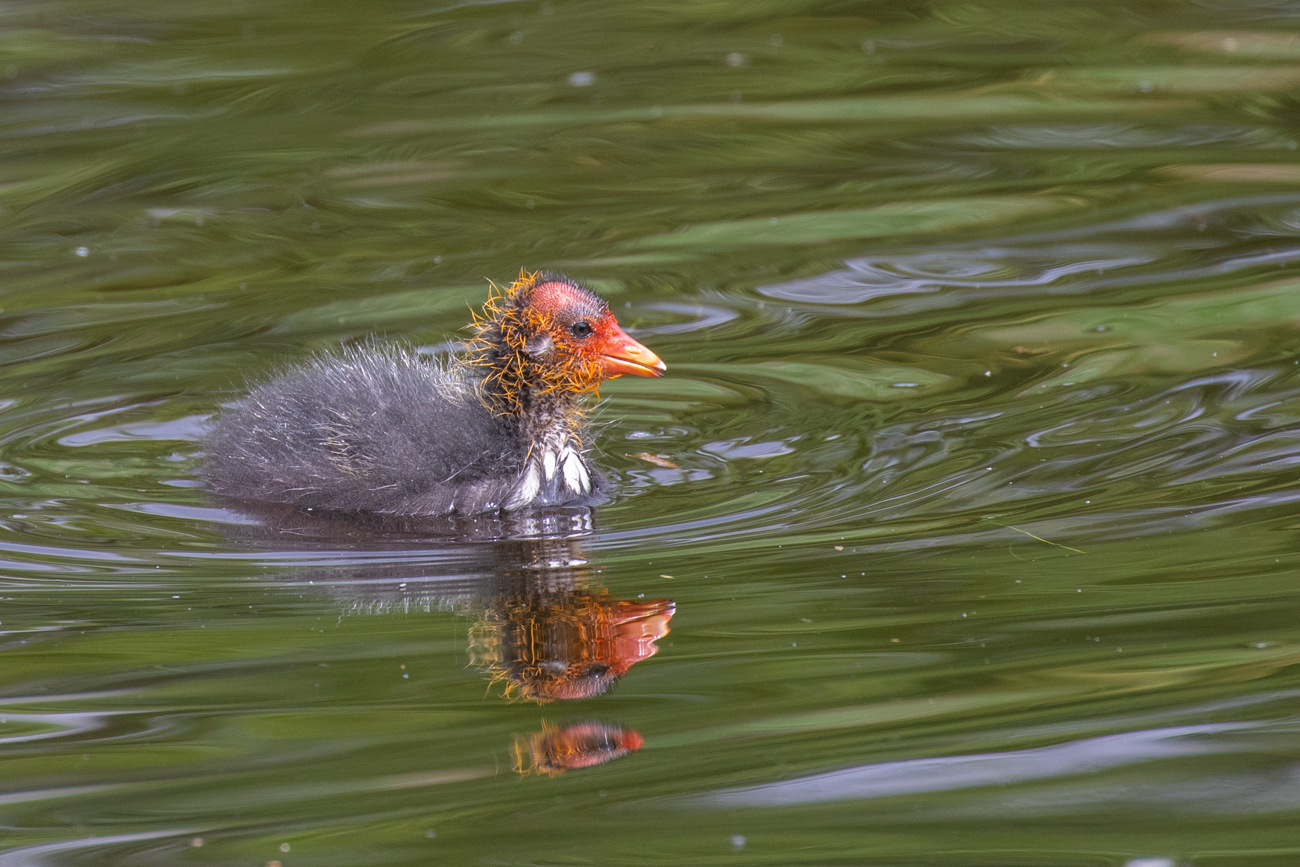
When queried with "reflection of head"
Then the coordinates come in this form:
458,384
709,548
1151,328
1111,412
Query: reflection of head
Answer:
551,646
582,745
541,631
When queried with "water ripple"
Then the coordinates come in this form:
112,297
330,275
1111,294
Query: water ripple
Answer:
913,776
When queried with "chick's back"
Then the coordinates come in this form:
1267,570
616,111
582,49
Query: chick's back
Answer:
370,429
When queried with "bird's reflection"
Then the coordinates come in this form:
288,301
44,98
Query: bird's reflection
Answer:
553,750
546,634
542,629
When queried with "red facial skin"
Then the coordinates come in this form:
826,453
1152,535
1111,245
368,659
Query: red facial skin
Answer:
561,305
545,339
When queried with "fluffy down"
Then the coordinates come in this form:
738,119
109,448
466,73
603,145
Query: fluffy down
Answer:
379,430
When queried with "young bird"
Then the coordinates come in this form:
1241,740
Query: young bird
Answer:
499,428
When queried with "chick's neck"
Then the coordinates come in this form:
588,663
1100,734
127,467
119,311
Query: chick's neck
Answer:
540,394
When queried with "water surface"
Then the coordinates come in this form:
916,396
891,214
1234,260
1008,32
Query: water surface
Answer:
961,532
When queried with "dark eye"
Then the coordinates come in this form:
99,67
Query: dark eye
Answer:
580,329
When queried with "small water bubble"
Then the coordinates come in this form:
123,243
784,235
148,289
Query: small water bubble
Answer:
284,847
868,47
1150,862
431,833
1290,145
582,79
517,37
530,204
11,71
735,58
776,40
198,221
738,841
437,260
1144,86
196,842
83,252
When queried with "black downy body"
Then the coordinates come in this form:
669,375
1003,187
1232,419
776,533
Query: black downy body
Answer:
385,430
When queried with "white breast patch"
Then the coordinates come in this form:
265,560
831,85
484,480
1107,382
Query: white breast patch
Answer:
568,460
576,477
562,460
529,487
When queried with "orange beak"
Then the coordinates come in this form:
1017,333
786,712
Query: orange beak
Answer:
621,354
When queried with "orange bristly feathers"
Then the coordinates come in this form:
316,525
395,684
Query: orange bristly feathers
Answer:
501,331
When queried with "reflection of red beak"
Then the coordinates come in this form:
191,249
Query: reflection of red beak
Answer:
553,751
637,627
616,635
621,354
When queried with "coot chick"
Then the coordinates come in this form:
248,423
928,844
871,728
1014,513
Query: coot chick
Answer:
381,429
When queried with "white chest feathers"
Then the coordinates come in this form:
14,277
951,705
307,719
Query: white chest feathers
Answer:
555,475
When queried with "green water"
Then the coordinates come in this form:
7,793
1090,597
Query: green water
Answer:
972,485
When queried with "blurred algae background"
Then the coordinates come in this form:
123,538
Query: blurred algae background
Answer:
964,523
